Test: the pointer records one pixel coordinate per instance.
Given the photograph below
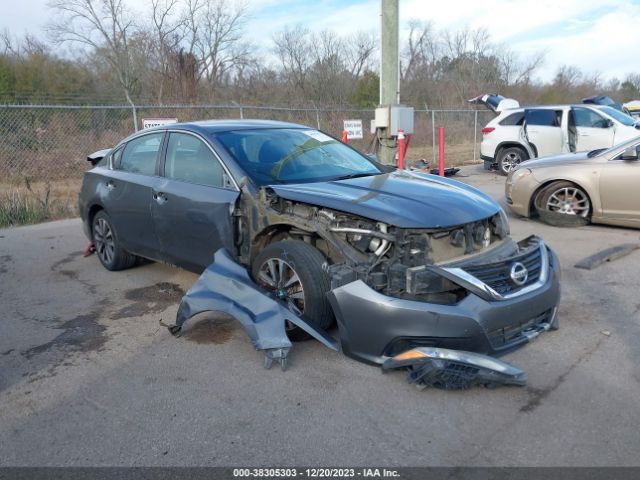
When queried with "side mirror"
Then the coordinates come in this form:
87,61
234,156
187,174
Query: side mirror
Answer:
630,153
609,123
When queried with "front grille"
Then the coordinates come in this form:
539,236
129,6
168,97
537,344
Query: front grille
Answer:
498,275
503,337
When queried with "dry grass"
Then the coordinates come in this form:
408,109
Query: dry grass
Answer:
454,155
28,202
24,201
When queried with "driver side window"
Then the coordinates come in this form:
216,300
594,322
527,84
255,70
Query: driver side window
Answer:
588,118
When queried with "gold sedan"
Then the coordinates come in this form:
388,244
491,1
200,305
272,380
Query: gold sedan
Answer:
601,186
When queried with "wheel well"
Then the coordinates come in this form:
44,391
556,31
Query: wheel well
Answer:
278,232
505,145
93,211
532,200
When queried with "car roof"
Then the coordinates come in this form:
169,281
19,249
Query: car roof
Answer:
551,107
216,126
205,127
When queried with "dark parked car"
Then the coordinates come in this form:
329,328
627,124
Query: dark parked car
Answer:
400,259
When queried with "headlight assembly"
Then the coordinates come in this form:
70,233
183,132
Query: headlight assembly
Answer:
521,173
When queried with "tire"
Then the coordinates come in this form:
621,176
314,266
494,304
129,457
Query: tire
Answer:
105,240
305,297
509,158
563,204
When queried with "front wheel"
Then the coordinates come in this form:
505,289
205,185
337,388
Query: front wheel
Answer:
293,271
563,204
510,158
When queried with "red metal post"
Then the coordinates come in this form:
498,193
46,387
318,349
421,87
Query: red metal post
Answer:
401,149
441,151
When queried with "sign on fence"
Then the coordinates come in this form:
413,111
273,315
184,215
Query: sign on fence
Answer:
157,122
353,129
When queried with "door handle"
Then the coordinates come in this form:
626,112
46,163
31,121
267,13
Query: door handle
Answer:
110,185
160,198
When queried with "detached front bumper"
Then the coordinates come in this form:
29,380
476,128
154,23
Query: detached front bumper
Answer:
374,327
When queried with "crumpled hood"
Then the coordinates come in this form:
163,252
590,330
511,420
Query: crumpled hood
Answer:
402,199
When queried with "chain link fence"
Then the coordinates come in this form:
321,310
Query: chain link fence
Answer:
43,148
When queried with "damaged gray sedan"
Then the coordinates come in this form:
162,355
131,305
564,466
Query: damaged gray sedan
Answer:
412,267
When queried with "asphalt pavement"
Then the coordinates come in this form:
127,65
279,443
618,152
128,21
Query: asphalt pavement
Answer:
88,376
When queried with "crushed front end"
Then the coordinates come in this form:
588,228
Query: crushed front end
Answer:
491,298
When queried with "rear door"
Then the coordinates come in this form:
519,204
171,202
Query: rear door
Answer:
193,203
593,131
543,130
128,192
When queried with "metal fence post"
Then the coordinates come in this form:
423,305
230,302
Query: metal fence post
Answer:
475,136
433,134
135,118
318,118
241,113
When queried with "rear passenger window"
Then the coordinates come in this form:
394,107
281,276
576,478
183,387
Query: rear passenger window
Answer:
513,119
544,118
140,154
116,157
190,159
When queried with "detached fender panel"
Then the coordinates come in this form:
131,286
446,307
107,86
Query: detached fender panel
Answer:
225,286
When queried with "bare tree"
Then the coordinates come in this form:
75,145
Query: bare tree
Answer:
359,50
294,49
105,26
421,51
167,25
214,35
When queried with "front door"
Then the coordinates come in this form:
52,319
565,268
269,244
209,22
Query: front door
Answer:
192,206
593,131
620,190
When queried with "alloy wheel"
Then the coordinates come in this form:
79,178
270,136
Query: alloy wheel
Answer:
280,277
103,240
510,161
569,201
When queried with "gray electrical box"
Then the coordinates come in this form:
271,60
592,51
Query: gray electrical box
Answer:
395,117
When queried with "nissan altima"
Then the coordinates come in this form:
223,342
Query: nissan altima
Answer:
401,260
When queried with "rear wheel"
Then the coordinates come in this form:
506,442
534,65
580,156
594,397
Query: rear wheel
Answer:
105,240
293,271
510,158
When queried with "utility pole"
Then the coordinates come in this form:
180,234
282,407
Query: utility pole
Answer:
389,63
390,116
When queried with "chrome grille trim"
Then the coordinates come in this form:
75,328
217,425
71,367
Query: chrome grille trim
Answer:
464,278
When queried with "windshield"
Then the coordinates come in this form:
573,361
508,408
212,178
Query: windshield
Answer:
623,118
616,148
293,156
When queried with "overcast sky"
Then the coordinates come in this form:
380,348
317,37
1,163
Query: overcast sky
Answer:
595,35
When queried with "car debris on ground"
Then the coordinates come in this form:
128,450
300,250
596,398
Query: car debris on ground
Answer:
226,287
607,255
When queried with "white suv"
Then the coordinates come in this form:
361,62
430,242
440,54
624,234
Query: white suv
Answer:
518,134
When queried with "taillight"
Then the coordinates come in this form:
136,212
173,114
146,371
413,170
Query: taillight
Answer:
486,130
